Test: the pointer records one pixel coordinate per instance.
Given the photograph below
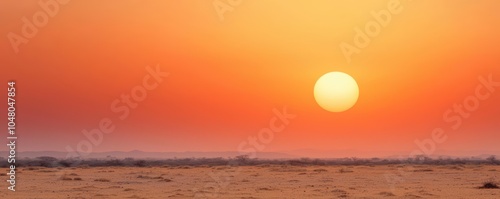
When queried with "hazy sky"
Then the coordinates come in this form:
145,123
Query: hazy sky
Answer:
227,76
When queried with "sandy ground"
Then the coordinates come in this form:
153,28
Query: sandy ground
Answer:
422,181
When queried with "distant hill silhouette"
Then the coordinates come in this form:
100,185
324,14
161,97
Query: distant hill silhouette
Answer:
292,154
149,155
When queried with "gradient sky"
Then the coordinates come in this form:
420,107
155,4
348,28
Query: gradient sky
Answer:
227,76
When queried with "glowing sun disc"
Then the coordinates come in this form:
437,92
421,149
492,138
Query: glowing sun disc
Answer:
336,91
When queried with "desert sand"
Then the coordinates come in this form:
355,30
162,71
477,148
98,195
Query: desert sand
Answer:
265,181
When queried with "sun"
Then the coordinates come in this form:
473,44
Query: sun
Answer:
336,91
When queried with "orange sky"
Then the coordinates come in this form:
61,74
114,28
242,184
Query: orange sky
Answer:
226,76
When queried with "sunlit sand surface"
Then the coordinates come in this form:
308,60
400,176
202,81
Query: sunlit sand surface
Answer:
265,181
